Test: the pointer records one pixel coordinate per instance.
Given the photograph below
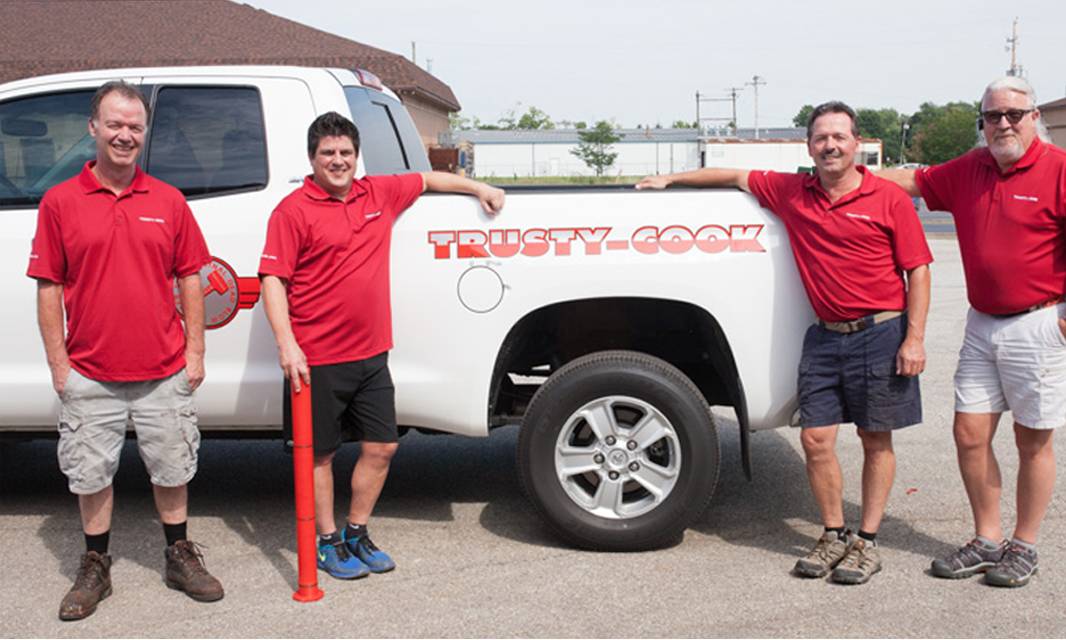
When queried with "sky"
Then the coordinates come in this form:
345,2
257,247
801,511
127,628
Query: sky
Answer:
641,63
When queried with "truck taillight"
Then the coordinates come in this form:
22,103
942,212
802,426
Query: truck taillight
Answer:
368,79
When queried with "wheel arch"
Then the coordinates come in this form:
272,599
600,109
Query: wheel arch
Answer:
681,333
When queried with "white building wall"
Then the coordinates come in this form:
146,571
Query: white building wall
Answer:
546,159
526,159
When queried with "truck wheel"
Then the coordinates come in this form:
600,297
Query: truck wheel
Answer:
618,452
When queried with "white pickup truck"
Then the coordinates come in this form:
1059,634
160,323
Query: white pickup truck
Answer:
603,320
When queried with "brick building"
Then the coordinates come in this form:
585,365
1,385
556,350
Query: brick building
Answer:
53,36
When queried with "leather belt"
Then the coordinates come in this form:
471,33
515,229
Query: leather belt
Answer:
1036,307
851,326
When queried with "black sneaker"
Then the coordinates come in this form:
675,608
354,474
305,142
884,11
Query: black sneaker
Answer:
1015,568
972,558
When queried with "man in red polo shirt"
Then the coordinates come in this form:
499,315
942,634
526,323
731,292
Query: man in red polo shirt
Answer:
853,236
109,244
1008,198
325,272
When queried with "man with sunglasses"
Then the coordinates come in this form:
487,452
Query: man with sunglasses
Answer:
1007,200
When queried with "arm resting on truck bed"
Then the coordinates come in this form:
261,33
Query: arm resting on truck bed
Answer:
491,198
735,178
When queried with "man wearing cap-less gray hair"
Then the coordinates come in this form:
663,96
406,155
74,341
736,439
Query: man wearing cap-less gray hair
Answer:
1008,198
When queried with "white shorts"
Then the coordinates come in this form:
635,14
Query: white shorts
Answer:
1017,364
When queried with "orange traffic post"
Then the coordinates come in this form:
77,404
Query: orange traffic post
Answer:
303,475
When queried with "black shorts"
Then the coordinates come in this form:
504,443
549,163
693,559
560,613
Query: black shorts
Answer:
851,377
349,401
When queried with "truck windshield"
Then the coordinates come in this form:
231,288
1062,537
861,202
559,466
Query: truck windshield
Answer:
388,140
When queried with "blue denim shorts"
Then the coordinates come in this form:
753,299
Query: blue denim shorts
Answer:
851,377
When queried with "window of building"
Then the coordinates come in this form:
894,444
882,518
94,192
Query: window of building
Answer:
44,140
208,140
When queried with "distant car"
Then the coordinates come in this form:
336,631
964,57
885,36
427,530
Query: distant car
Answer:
912,165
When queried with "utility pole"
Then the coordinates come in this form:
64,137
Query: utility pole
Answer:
414,60
756,82
1012,46
733,91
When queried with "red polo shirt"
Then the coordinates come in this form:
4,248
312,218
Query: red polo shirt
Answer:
335,256
850,253
117,257
1009,224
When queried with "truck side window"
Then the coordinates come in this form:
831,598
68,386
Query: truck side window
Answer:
208,140
388,141
44,140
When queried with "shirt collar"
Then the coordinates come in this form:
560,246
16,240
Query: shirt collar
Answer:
1035,151
90,184
315,192
866,187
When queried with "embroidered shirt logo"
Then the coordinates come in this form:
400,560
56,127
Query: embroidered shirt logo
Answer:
1026,198
267,256
149,219
862,216
371,216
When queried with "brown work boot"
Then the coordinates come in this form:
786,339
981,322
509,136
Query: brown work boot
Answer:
92,584
186,572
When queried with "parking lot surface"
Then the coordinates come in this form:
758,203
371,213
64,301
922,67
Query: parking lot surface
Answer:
474,560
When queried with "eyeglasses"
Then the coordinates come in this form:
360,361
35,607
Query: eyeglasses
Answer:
1013,116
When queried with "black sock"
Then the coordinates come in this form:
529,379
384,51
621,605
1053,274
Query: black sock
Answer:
866,535
329,538
837,530
98,542
354,531
174,532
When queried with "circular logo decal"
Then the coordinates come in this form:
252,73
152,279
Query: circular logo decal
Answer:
221,295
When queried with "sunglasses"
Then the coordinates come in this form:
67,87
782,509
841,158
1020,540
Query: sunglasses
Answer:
1013,116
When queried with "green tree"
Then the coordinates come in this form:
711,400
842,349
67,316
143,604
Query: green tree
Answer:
804,113
682,124
595,148
534,118
883,124
581,124
944,132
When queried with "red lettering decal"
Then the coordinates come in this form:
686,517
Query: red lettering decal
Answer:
442,241
504,243
676,239
534,242
617,245
744,238
562,239
712,239
593,239
646,240
471,244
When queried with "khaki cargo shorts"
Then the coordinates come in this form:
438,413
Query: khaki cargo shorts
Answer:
93,418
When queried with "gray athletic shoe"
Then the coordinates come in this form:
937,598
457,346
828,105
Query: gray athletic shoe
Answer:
827,552
1014,569
862,561
972,558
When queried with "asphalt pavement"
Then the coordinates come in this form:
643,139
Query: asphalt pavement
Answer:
474,560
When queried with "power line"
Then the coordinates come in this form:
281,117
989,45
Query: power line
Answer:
756,82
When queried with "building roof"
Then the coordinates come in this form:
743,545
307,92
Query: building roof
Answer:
1055,104
570,136
42,37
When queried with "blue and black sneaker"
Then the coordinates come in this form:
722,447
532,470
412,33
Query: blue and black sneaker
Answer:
363,548
334,559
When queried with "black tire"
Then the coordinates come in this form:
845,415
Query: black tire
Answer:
632,375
